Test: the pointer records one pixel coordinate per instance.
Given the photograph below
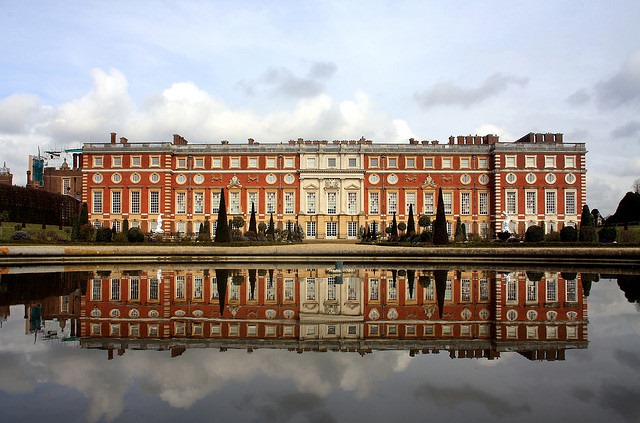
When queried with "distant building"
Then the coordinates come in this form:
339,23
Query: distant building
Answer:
6,177
333,190
58,172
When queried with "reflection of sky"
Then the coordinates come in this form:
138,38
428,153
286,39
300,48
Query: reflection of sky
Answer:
59,382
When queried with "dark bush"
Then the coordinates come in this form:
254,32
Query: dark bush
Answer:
135,235
607,234
20,236
85,232
534,234
568,234
104,235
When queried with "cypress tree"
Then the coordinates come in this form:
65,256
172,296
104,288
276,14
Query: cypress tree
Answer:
394,227
252,220
271,230
440,235
411,225
587,230
223,232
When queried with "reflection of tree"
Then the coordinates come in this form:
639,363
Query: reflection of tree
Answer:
630,285
441,285
534,276
223,276
252,283
411,276
587,278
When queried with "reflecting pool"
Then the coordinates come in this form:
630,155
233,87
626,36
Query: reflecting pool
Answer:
319,342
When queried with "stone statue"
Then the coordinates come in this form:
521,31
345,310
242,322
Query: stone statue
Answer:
159,229
505,222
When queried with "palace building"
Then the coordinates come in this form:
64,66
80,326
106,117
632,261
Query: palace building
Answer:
334,189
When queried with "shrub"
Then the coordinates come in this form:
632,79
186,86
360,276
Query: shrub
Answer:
607,234
85,232
553,236
534,234
17,227
135,235
20,236
104,235
568,234
628,237
120,237
587,234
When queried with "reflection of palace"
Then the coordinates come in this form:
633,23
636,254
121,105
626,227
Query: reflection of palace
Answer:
467,313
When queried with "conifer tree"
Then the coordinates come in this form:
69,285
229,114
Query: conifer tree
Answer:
411,224
440,235
587,230
223,232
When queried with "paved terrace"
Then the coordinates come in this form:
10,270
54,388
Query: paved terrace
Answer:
349,253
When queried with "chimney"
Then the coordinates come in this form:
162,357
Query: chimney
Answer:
113,138
123,140
251,141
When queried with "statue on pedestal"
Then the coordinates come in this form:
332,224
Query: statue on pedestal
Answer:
159,229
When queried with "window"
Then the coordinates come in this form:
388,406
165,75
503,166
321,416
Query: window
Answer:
253,200
153,289
97,202
531,199
135,202
216,162
136,161
332,206
352,230
134,288
410,162
271,202
569,162
289,162
447,199
198,283
154,178
311,203
570,202
448,290
532,291
288,290
332,229
353,162
181,162
331,288
311,230
181,227
116,202
234,162
392,202
311,162
410,201
181,202
530,161
510,161
550,202
234,202
374,162
572,292
483,203
484,289
392,289
374,289
115,289
511,202
374,203
331,162
154,161
428,162
429,202
446,162
154,202
135,178
352,203
253,162
465,203
97,161
549,161
198,202
214,289
465,290
465,163
180,287
311,289
66,186
512,291
552,290
198,163
116,161
392,162
215,202
96,289
289,200
483,163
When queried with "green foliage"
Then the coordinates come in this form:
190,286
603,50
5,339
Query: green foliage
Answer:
461,233
628,209
135,235
607,234
424,221
568,234
104,235
440,236
223,232
84,214
125,225
237,222
402,226
587,230
17,227
4,216
411,224
534,234
85,232
262,227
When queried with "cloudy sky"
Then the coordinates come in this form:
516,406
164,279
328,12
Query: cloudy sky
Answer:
74,71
